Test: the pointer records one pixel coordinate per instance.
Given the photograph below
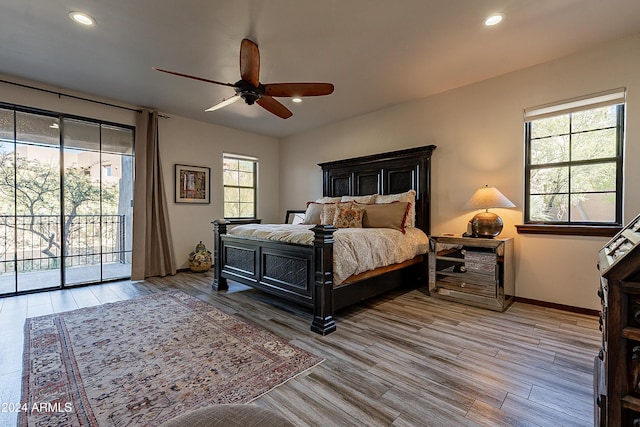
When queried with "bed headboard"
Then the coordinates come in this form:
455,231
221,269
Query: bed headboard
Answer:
385,173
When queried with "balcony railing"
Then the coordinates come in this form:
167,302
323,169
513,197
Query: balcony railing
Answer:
31,243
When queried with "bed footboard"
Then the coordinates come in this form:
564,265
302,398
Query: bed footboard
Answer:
299,273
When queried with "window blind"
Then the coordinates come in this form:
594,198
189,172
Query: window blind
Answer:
601,99
239,157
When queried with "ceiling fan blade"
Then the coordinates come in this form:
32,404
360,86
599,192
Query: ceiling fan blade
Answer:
298,89
250,62
193,77
224,103
275,107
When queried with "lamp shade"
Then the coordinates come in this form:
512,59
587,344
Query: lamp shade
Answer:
488,197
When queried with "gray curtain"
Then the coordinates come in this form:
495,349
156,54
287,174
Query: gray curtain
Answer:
152,244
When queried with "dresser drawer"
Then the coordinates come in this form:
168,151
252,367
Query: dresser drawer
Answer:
599,392
603,292
603,328
633,311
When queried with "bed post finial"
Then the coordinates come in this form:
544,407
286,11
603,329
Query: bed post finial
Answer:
323,322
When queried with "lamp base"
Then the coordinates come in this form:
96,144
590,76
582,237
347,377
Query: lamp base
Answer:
486,224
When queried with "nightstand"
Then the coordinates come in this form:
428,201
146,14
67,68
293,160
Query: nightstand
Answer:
474,271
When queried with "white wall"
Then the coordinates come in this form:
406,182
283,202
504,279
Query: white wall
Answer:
478,130
194,143
182,141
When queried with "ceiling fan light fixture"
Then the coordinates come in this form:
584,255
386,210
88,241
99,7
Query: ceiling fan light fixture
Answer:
494,19
82,18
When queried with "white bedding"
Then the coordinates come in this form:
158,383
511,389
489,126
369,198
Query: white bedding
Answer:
355,250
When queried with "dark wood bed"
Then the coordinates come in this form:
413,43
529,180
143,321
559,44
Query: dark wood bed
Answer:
303,274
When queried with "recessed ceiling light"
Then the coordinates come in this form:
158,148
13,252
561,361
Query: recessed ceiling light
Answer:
493,20
82,18
296,99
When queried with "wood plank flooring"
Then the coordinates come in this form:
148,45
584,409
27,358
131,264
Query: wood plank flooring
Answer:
404,359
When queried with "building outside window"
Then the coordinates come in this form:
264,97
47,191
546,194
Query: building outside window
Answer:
573,161
240,177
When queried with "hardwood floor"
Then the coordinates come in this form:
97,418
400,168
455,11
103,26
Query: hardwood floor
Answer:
404,359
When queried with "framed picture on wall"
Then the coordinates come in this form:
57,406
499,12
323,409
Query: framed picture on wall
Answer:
192,184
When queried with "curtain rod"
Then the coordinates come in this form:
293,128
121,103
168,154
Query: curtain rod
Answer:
60,94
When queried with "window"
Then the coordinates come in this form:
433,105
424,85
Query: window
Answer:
573,162
239,180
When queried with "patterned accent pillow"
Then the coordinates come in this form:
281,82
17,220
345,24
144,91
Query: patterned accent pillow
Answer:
329,212
348,217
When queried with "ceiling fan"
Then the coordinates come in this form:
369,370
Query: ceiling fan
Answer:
252,91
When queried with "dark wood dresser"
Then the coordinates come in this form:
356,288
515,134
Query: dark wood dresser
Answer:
617,366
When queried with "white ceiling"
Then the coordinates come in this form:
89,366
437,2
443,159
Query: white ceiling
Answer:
377,53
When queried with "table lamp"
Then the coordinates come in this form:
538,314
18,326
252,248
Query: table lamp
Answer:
487,224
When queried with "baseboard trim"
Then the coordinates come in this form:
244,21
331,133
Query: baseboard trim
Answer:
579,310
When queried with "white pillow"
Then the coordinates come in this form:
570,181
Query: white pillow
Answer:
328,200
371,198
313,213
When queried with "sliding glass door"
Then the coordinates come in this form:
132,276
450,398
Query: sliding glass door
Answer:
66,196
30,190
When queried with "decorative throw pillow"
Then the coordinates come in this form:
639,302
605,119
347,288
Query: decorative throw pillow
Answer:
386,215
371,198
313,212
409,197
348,217
329,212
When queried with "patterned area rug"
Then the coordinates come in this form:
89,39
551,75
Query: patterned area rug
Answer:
143,361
